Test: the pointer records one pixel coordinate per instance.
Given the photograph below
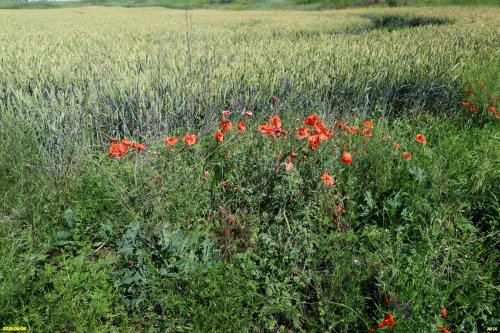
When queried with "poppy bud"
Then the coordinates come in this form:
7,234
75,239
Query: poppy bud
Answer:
140,147
444,311
346,157
219,136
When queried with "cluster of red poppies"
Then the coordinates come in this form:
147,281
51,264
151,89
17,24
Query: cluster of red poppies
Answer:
473,108
226,125
473,101
272,128
121,149
314,130
317,133
346,156
189,139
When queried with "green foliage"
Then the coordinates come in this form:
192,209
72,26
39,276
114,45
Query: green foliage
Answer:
62,291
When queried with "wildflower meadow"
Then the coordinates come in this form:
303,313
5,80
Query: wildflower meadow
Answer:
250,171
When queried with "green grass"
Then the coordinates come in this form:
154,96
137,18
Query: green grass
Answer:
147,243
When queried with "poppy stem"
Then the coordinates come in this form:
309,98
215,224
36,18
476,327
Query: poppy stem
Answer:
135,167
287,223
31,214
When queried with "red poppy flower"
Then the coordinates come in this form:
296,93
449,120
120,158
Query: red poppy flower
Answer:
389,320
248,113
367,132
341,208
190,139
492,108
288,166
355,129
421,138
274,100
326,135
171,141
368,124
276,121
127,143
497,115
444,311
117,150
470,92
219,136
397,146
311,120
473,108
443,329
346,157
226,125
272,129
371,330
122,150
225,184
339,125
242,126
464,103
113,139
314,141
266,128
232,219
226,113
140,147
302,132
327,179
407,155
293,156
319,126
